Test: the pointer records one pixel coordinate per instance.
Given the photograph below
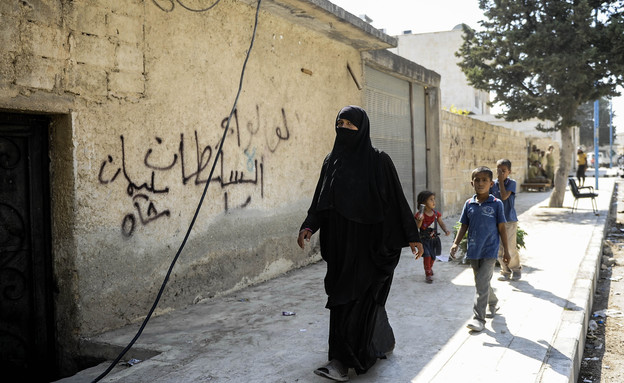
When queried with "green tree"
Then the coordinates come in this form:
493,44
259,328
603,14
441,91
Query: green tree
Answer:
585,117
544,59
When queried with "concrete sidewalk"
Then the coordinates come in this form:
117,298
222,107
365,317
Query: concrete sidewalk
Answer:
538,335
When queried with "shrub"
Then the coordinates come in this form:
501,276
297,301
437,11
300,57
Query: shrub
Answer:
463,245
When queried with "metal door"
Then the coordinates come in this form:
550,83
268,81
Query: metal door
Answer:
421,163
26,318
396,111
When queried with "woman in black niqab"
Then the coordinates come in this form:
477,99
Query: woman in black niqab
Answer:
364,221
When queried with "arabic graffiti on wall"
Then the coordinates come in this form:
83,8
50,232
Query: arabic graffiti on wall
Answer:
192,160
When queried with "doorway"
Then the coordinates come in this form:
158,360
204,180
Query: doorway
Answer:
27,346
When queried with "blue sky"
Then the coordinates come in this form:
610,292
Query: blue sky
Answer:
396,16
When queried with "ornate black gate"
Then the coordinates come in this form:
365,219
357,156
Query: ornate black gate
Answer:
26,316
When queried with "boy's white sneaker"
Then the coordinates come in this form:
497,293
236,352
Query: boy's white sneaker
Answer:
476,325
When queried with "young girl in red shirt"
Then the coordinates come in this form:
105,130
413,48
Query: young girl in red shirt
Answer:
427,223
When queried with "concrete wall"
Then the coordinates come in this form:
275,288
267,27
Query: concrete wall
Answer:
535,137
137,97
468,143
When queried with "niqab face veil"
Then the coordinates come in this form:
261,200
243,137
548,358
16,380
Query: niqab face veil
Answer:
352,184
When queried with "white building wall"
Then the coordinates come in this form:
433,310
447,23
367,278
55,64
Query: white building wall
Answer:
436,51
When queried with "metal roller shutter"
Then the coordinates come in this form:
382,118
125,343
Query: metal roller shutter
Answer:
420,137
388,106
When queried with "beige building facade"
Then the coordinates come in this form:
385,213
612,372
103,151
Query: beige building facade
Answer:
111,118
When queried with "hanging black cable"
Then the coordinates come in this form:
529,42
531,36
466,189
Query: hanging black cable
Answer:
201,201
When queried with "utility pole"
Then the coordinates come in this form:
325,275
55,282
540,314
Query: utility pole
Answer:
610,133
596,161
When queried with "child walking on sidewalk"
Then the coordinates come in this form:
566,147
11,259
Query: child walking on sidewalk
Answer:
505,189
484,219
428,222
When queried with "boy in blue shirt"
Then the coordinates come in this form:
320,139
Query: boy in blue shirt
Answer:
505,189
484,219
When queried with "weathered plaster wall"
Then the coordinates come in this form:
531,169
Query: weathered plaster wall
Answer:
468,143
280,134
138,97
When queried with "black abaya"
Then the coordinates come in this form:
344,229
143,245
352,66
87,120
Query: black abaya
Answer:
361,258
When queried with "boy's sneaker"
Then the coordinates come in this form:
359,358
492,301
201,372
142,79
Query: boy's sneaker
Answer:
516,275
428,279
492,311
504,276
475,325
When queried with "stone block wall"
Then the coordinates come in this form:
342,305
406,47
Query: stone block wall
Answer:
90,49
467,143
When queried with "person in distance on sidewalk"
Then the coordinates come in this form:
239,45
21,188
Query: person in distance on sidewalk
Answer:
505,189
484,220
364,221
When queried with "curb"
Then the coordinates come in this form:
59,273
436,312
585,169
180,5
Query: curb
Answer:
563,358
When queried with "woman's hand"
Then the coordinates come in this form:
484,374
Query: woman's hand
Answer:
417,249
303,234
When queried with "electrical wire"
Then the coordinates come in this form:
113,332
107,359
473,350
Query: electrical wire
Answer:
172,6
199,205
198,10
